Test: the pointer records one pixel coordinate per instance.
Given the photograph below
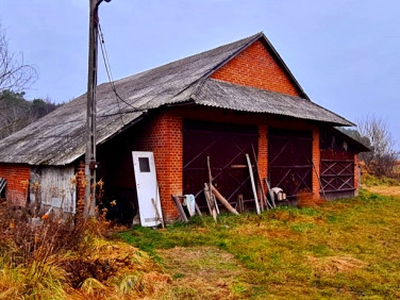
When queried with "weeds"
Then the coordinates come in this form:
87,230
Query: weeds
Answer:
60,257
370,180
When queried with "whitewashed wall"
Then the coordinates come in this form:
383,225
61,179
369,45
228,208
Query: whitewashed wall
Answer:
55,186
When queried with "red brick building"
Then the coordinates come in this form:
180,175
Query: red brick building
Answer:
223,103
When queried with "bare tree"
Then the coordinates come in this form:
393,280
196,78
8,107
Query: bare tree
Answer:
15,74
382,158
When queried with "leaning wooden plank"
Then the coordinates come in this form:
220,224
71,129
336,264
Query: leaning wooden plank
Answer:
270,192
223,201
253,186
198,210
207,196
240,203
213,202
213,211
157,213
264,198
180,209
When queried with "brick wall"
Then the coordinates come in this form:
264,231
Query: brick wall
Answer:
163,136
263,151
256,67
80,188
356,175
316,156
17,176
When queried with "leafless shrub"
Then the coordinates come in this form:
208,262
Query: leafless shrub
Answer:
15,74
382,158
36,239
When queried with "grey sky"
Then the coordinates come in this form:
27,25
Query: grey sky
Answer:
344,53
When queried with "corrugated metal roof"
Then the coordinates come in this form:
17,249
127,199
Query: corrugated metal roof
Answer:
59,137
231,96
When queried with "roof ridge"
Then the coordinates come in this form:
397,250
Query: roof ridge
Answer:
251,39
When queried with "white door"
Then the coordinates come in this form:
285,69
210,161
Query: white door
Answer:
147,189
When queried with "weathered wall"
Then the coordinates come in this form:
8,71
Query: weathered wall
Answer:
256,67
17,176
54,186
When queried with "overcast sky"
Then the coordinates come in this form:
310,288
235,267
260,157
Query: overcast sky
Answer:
344,53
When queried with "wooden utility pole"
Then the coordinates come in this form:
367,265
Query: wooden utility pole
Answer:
90,156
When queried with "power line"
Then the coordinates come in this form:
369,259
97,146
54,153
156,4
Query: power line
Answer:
107,67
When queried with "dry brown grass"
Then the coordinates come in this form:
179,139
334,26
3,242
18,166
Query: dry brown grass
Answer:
113,270
329,266
305,199
201,273
63,258
385,190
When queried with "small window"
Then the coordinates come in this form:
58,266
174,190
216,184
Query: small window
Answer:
144,164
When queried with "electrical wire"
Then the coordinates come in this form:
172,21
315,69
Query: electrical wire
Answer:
107,67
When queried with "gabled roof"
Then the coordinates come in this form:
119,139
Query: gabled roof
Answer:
355,141
59,137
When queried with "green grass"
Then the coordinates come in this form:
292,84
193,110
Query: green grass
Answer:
344,249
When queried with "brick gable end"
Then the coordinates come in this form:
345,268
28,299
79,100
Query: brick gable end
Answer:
256,67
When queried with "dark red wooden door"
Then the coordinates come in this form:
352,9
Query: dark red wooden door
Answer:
337,173
226,145
289,160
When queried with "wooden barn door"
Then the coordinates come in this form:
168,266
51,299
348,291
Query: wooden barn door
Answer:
226,145
290,160
337,174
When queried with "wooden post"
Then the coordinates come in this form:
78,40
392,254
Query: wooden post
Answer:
210,201
240,203
223,200
211,195
157,212
270,192
180,209
263,196
90,155
253,186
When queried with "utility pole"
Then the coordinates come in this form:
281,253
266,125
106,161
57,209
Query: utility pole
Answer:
90,156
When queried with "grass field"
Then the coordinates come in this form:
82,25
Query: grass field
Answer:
344,249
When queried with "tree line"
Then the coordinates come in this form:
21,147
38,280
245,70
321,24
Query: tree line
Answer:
16,112
15,76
